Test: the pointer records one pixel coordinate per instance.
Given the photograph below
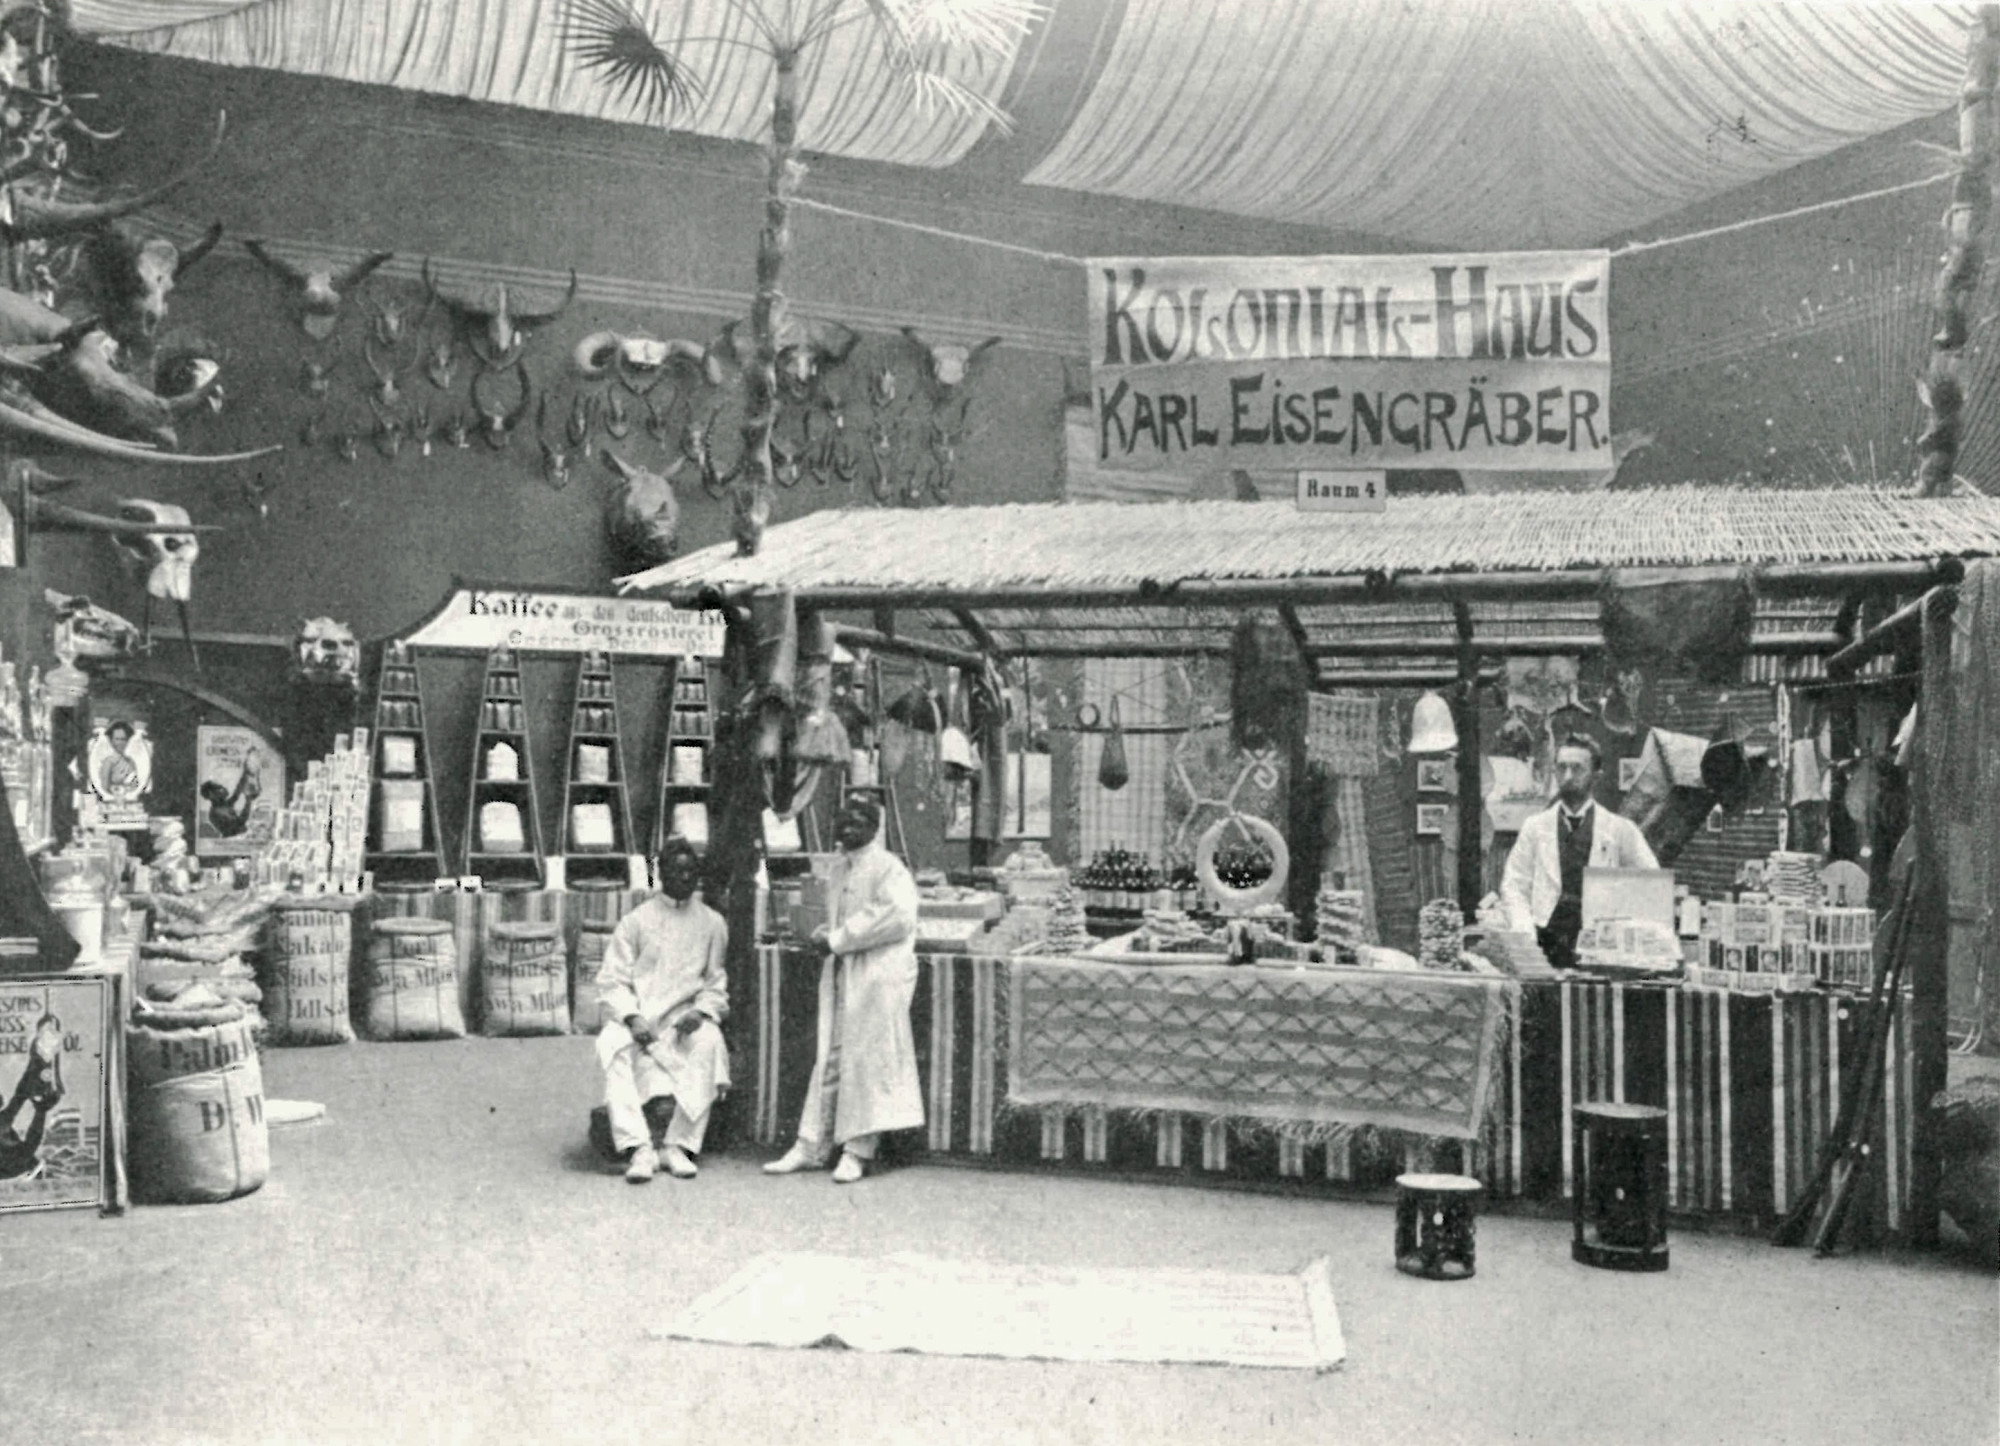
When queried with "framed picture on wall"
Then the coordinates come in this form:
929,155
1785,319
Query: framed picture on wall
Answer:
239,788
53,1120
1434,775
1431,818
1628,773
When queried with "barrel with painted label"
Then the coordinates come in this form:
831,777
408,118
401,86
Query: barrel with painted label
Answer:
195,1096
309,942
524,981
411,981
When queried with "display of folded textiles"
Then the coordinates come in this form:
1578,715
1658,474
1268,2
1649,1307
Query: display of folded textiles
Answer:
1440,934
1793,878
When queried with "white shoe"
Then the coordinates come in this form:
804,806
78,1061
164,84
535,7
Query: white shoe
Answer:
678,1163
798,1158
643,1165
851,1168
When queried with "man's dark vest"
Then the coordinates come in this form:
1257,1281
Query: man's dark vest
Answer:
1575,851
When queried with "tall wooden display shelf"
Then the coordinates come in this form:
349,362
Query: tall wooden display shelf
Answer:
597,815
511,857
404,849
687,772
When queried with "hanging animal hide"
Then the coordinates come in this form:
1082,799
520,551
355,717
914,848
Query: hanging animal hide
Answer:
1268,684
1687,621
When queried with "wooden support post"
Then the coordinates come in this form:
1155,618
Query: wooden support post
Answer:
1465,707
1930,921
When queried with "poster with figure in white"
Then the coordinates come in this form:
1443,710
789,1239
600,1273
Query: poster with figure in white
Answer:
52,1054
239,786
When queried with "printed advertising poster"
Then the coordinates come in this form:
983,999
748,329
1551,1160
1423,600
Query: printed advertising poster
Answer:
1497,362
239,787
52,1064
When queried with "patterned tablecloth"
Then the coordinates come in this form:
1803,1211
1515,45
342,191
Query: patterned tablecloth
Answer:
1290,1047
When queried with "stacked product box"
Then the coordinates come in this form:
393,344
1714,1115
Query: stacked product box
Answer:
1757,947
323,832
1843,947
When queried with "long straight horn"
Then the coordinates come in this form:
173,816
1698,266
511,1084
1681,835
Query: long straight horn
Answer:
36,218
18,422
50,516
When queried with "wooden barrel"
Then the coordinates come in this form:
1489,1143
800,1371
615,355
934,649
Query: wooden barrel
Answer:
412,980
308,943
524,980
588,1013
195,1095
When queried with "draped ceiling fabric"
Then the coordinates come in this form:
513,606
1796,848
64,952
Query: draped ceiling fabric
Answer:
510,52
1491,124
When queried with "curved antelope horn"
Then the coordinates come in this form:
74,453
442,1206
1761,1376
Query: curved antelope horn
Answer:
513,419
384,375
618,464
55,517
539,318
183,402
40,219
17,419
194,254
597,353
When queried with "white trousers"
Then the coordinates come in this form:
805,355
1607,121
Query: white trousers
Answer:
692,1068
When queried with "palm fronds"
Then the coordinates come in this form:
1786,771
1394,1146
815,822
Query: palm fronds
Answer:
611,38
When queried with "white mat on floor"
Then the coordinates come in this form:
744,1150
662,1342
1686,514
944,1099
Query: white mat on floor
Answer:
946,1307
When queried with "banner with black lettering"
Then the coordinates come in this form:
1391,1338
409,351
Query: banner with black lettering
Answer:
1487,362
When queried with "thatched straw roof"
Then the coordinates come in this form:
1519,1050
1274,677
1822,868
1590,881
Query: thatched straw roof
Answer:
1118,579
1112,547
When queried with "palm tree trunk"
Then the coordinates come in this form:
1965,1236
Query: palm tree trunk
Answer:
752,502
1965,258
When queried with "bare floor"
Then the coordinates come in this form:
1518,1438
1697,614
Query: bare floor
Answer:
439,1261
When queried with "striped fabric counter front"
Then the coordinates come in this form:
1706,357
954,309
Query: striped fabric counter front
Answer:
1750,1083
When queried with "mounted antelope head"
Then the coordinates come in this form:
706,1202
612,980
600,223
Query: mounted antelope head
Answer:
496,424
555,456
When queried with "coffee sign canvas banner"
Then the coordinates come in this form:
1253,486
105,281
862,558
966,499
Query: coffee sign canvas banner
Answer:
480,619
1499,361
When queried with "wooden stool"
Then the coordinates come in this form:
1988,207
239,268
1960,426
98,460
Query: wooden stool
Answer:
1435,1222
1621,1186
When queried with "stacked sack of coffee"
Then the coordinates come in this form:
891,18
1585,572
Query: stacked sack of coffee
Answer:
210,938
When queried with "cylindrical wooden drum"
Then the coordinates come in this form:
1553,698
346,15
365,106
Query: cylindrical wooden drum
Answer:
309,942
1621,1186
524,980
1436,1224
412,980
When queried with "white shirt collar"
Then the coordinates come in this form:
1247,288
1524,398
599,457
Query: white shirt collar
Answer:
1581,814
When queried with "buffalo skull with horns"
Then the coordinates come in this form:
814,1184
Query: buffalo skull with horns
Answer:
129,276
497,333
157,541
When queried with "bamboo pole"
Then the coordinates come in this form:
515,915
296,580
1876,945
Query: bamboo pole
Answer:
1471,805
896,646
1943,387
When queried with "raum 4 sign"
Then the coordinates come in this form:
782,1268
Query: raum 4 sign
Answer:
1482,362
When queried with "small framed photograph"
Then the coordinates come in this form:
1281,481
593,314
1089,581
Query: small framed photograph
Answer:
1431,819
1628,773
1434,775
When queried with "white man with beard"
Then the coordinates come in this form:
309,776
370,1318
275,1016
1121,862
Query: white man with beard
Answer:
665,991
864,1079
1543,882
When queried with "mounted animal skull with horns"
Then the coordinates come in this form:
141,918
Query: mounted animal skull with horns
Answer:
29,215
157,541
497,333
318,287
641,517
129,276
